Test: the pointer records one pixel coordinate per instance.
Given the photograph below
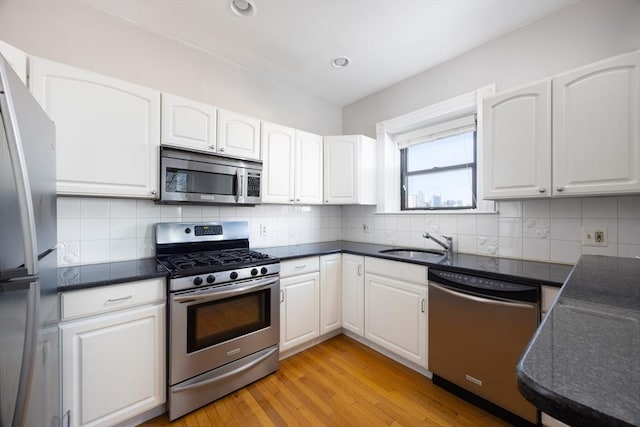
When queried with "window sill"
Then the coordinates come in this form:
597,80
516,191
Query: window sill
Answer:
441,212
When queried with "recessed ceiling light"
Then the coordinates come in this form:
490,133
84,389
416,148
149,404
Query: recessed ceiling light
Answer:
340,62
243,8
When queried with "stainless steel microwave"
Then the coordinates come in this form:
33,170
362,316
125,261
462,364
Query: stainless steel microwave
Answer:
191,176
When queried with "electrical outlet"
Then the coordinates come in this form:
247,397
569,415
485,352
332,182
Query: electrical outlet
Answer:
594,236
263,230
365,228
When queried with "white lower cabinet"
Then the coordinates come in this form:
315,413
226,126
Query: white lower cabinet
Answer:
330,293
299,302
396,308
113,364
353,293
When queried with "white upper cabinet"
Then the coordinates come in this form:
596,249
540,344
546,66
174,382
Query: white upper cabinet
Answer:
349,170
517,149
308,168
107,131
16,58
292,165
238,135
593,148
188,124
278,148
596,128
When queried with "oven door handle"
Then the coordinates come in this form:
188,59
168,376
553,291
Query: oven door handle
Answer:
233,372
215,295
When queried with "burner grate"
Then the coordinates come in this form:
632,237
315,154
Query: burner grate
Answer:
228,257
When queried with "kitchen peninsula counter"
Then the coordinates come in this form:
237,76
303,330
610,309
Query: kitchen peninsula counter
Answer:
583,364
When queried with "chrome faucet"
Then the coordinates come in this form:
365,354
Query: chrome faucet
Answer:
447,244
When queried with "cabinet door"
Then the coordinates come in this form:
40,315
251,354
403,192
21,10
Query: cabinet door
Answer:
340,170
107,131
517,143
188,124
238,135
330,293
395,317
16,58
596,128
353,293
278,147
308,168
299,310
113,366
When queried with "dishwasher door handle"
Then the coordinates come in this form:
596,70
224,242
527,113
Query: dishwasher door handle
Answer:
463,295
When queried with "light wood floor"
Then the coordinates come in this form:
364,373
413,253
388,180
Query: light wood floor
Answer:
339,382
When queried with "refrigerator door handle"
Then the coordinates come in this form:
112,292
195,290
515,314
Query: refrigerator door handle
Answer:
25,203
28,354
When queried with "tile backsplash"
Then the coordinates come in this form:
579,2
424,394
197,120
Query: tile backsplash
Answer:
92,230
546,230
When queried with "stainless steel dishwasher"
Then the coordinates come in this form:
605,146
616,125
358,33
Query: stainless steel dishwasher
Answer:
478,329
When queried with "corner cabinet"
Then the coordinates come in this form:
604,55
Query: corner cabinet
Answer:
395,297
292,165
107,131
188,124
113,352
353,293
349,170
238,135
596,128
593,147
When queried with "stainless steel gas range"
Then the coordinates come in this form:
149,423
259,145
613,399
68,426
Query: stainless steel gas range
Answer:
224,311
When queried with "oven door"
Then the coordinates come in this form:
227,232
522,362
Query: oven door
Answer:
210,327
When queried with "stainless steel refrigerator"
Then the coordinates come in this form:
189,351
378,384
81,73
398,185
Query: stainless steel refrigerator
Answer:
29,308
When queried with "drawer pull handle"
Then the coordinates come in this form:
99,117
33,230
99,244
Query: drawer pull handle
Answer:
114,300
281,295
359,269
298,267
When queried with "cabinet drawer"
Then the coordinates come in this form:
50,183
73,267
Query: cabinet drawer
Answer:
299,266
397,270
87,302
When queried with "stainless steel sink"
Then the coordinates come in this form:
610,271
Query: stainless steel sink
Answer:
425,254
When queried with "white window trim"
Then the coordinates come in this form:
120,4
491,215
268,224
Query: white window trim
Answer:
388,185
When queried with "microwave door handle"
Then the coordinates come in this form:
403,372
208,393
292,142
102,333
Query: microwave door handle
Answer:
240,179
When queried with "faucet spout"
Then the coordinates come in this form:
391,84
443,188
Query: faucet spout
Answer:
447,244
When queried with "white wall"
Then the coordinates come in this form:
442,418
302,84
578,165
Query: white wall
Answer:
76,34
579,34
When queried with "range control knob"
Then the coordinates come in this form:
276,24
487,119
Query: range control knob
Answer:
197,281
211,278
263,270
233,275
187,230
254,271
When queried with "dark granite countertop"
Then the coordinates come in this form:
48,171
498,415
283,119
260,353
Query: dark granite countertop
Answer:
583,364
529,272
92,275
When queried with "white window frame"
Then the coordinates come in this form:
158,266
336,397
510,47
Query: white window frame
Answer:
389,132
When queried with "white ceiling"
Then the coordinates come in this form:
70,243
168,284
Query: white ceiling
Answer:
292,42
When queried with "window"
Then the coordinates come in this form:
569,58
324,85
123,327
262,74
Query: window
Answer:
439,173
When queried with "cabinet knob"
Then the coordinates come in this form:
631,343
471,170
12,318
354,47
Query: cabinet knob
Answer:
542,190
297,200
559,189
291,200
213,147
154,192
221,149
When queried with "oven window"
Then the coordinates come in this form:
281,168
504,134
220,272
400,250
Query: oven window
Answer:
186,181
219,321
